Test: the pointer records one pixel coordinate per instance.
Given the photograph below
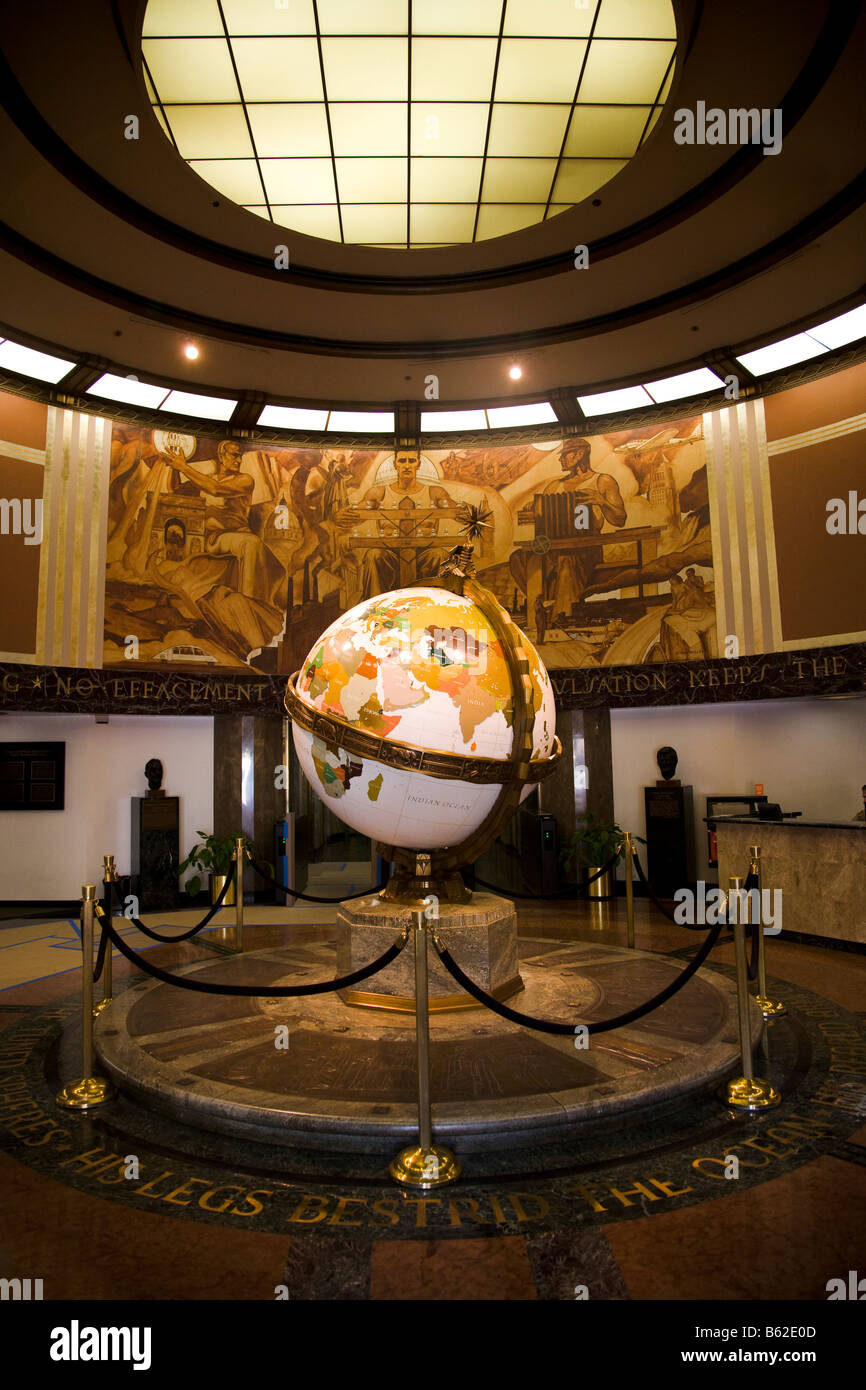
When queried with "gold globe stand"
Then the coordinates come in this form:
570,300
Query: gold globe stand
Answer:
89,1090
746,1092
424,874
424,1164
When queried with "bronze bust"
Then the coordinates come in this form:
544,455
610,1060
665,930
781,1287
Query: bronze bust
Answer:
667,760
153,771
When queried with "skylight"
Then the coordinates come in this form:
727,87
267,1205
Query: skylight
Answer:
408,125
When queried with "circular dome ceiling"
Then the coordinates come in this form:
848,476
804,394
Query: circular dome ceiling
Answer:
408,123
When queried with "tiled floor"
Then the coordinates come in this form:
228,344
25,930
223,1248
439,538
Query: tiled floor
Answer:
643,1213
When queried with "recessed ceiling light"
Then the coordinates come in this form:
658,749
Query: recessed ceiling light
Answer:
515,372
191,351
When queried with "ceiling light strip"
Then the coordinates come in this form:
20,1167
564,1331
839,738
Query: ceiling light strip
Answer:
27,361
565,133
489,120
328,120
192,404
244,109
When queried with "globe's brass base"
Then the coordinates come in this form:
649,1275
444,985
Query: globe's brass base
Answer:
770,1008
413,889
100,1005
424,1168
85,1093
745,1093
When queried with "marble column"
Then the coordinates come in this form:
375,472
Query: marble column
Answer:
247,751
584,779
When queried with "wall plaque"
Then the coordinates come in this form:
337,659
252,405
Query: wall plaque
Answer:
32,776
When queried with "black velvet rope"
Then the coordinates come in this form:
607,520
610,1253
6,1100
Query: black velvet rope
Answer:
506,893
567,1029
750,882
185,935
308,897
103,939
653,899
253,991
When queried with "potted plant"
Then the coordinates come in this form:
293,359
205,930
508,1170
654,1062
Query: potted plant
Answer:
592,845
213,855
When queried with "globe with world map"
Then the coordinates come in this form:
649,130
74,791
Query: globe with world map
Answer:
403,690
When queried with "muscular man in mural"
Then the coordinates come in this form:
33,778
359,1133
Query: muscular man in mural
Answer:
566,582
227,528
406,510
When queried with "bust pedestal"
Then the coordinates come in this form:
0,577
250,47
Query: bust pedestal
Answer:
481,934
155,851
670,837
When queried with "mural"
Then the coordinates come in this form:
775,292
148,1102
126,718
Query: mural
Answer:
219,555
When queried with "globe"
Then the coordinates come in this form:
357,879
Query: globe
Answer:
409,684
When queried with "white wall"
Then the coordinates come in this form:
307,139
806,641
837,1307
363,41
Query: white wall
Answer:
809,754
48,855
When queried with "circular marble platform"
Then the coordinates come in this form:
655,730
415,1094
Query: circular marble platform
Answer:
347,1079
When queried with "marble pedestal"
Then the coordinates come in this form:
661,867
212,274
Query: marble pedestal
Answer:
481,935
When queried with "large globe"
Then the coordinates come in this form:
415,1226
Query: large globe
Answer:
419,669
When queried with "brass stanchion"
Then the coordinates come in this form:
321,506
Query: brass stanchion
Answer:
746,1092
770,1008
426,1164
629,888
88,1090
109,875
238,857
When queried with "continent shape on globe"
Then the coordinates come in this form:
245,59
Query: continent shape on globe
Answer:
422,666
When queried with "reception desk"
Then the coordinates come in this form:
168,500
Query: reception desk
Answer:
820,866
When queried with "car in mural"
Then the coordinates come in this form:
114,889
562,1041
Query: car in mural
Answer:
186,656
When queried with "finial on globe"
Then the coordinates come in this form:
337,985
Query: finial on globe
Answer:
422,717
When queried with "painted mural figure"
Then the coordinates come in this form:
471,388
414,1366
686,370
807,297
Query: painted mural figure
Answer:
567,581
409,514
227,529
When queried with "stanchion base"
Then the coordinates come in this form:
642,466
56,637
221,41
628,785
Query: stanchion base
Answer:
753,1093
85,1093
770,1008
425,1168
102,1004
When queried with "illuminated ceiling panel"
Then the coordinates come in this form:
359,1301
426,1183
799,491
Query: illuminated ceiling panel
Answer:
393,124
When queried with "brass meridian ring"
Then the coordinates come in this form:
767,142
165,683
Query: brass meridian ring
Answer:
336,734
